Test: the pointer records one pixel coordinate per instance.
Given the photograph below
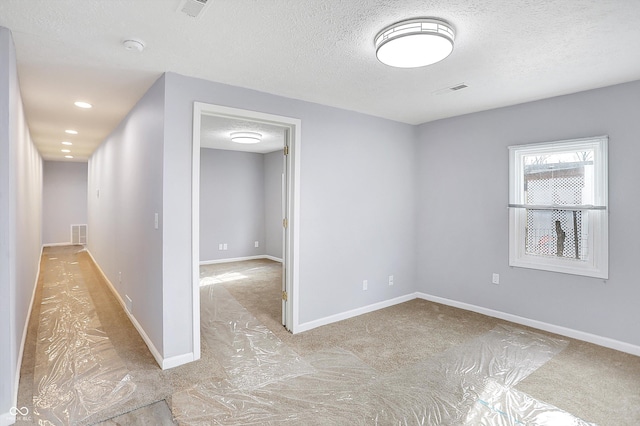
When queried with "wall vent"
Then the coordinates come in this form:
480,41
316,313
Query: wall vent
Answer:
78,234
192,8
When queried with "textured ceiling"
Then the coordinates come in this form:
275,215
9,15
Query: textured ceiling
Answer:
215,133
507,52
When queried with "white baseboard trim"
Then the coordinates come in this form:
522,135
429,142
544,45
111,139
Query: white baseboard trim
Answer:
174,361
275,259
23,342
238,259
352,313
154,351
57,244
563,331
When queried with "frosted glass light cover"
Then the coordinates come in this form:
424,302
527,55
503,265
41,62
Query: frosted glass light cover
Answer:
246,137
414,43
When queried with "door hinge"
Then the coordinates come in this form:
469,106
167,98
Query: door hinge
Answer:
284,296
285,222
286,150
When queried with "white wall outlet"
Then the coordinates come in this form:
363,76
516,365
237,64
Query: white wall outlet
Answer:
224,246
119,277
155,221
220,246
390,279
495,278
256,244
365,284
128,303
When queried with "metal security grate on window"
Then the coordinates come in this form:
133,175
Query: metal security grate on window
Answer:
555,232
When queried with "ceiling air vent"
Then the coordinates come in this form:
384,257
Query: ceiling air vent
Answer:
192,8
458,87
450,89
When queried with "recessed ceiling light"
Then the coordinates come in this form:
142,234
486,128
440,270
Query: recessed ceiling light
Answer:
246,137
68,156
66,143
71,132
414,43
65,150
81,104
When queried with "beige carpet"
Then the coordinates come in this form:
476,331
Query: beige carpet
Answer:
593,383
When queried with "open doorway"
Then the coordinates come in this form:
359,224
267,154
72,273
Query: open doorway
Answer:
212,128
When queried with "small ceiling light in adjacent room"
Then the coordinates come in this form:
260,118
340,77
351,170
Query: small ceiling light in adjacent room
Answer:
66,143
65,150
246,137
81,104
68,156
414,43
71,132
133,45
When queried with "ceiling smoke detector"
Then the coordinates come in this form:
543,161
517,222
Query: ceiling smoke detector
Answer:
133,45
192,8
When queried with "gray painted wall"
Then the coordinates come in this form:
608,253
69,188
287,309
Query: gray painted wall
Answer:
64,199
357,203
232,204
273,231
20,223
125,191
463,219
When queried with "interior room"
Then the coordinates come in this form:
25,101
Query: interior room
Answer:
454,231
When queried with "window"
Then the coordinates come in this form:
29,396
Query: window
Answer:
558,217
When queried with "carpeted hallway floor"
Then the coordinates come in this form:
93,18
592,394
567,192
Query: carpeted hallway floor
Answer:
595,384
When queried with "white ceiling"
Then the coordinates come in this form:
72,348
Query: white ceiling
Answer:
507,52
215,133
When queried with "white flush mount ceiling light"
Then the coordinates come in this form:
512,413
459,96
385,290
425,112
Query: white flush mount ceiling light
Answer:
414,43
71,132
66,143
246,137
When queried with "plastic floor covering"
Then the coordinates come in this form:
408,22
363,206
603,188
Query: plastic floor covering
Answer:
269,384
77,372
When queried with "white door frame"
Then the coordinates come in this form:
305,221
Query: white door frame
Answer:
291,248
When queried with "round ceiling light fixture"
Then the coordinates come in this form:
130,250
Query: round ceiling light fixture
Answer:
415,43
246,137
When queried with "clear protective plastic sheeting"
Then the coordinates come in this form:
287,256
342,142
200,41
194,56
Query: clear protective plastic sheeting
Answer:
249,352
77,371
469,384
499,405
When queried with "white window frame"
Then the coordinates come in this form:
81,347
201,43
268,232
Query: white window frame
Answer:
597,263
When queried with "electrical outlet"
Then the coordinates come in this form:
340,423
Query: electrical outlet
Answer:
365,284
390,279
495,279
224,246
220,246
256,244
119,277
